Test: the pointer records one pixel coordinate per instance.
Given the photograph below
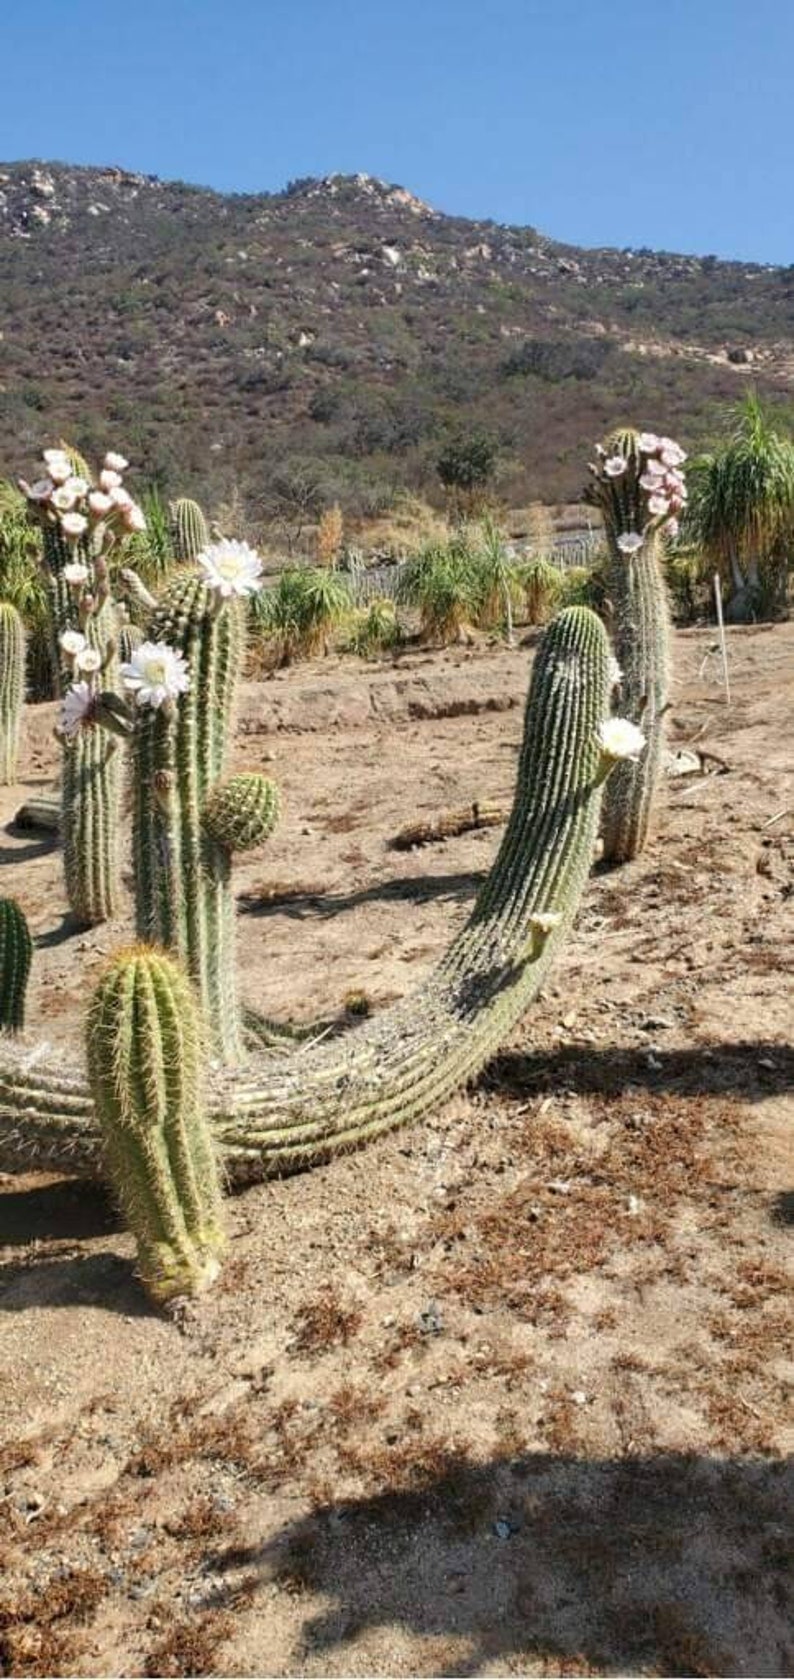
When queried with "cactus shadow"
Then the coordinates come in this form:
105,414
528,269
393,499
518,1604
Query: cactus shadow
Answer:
105,1280
68,1210
750,1070
416,888
673,1564
32,849
69,927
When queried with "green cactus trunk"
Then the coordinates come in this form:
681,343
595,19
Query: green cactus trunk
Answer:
16,954
189,529
12,689
184,829
143,1044
320,1100
130,638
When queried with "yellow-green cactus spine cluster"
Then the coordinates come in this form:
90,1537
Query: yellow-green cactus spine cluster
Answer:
283,1112
188,816
12,689
639,486
16,954
189,529
145,1064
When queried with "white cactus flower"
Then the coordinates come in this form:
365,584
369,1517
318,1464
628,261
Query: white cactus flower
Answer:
615,466
77,703
58,465
648,443
78,486
41,491
63,498
657,505
629,542
99,502
614,673
108,479
618,738
72,642
156,673
135,518
670,453
115,463
75,574
546,920
655,480
231,568
88,660
120,497
73,524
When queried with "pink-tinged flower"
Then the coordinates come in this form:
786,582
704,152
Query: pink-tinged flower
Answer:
108,479
75,574
72,642
671,453
63,498
120,497
231,568
73,524
41,491
78,486
653,480
76,708
671,528
89,661
629,542
58,465
615,466
657,505
135,518
115,463
156,673
99,503
648,443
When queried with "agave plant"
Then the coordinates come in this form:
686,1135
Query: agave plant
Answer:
441,582
741,509
303,611
496,579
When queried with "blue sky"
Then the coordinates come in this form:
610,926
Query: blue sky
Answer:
666,124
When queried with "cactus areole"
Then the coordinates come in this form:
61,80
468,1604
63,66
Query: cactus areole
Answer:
280,1114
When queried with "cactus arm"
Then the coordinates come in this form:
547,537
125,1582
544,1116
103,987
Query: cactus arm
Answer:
312,1103
16,954
12,689
189,529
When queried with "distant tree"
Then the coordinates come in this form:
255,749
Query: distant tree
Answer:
466,469
295,498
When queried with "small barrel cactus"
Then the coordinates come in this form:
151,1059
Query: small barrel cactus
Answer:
639,486
189,529
145,1066
16,952
12,689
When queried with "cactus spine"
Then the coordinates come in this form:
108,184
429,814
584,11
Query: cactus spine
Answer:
189,529
637,494
322,1099
187,818
12,689
16,953
143,1046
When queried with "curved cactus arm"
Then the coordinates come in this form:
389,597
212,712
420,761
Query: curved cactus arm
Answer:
321,1099
143,1046
189,529
16,955
12,689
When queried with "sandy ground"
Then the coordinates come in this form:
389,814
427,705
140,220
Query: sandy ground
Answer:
506,1393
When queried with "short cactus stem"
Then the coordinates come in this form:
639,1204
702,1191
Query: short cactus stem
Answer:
144,1054
189,529
12,689
16,953
640,490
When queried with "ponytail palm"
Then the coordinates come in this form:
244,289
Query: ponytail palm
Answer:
742,503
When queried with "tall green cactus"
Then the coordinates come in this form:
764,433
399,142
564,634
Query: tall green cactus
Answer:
189,529
640,489
188,818
143,1044
321,1099
16,955
12,689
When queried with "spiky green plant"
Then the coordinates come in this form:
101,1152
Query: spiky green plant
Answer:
22,583
496,579
189,529
304,610
441,583
541,583
741,511
188,818
639,488
16,954
145,1065
374,629
313,1102
12,689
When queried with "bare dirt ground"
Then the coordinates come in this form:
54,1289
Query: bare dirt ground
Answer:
506,1393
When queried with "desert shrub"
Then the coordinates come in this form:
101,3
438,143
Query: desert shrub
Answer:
302,611
22,583
442,584
542,586
496,578
375,629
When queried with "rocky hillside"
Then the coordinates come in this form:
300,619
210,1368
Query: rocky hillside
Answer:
342,327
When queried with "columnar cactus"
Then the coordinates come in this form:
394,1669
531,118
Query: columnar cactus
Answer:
16,953
130,638
188,818
12,689
299,1107
640,489
144,1053
80,524
189,529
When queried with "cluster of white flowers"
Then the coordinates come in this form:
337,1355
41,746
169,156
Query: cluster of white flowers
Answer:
156,673
231,568
662,480
78,506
